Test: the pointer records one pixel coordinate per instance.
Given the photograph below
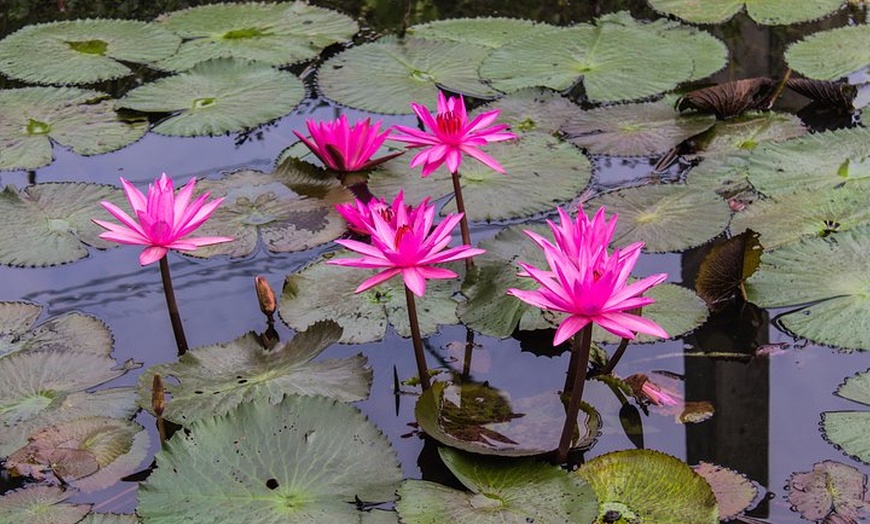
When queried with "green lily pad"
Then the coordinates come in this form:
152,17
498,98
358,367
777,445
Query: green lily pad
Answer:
212,380
67,332
285,214
363,316
767,12
276,34
832,275
218,96
33,118
109,518
489,32
669,217
734,491
41,505
307,459
534,110
848,429
634,129
386,76
831,487
540,171
56,218
643,485
83,51
500,492
709,55
745,132
829,55
15,319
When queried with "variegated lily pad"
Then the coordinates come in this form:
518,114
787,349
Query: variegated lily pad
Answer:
848,430
489,32
41,505
277,34
832,54
218,96
831,488
734,491
767,12
15,319
83,51
33,118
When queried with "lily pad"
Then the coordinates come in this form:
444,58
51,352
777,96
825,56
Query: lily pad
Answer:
644,485
56,218
767,12
734,491
307,459
83,51
109,518
287,214
15,319
212,380
747,131
634,129
68,332
218,96
363,316
829,55
33,118
848,429
386,76
831,487
500,492
830,274
276,34
41,505
490,32
668,217
534,110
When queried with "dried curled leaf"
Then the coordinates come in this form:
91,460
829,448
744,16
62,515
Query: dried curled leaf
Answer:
836,94
731,98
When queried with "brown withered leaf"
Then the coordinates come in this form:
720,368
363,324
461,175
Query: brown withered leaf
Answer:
835,94
725,267
731,98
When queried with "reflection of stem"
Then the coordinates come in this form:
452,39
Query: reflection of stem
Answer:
469,347
463,224
172,306
584,340
422,370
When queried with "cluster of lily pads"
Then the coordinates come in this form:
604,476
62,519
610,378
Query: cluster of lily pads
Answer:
269,435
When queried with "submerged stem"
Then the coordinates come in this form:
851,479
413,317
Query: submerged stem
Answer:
419,356
172,306
584,341
463,224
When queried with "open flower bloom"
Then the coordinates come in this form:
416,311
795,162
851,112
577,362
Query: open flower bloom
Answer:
358,215
452,135
405,244
588,283
346,148
163,220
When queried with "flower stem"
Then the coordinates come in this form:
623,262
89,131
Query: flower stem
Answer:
620,350
463,224
422,369
172,306
584,341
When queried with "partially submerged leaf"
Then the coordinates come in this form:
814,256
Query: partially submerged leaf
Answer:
731,98
734,491
40,505
829,55
831,487
848,430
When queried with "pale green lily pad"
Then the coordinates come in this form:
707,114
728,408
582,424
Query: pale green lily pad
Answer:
669,217
500,492
833,54
709,54
540,171
634,129
649,486
831,487
67,332
488,32
386,76
767,12
33,118
363,316
788,218
734,491
15,319
276,34
56,218
110,518
832,275
848,430
285,213
533,110
307,459
41,505
89,453
83,51
218,96
212,380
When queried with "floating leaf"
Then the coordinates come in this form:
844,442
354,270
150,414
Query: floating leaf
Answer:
731,98
68,332
212,380
830,274
767,12
109,518
831,487
32,118
277,34
500,492
835,94
218,96
489,32
633,129
82,51
40,505
534,110
15,319
388,75
709,55
734,491
669,217
725,267
848,429
832,54
643,485
307,459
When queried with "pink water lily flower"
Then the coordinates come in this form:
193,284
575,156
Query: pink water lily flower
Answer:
163,220
405,244
452,135
588,283
345,148
358,215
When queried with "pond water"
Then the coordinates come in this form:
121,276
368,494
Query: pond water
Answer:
766,423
